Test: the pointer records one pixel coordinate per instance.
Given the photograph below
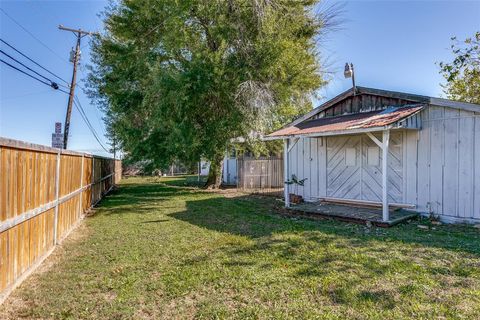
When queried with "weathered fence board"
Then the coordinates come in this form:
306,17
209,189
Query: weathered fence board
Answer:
263,175
44,193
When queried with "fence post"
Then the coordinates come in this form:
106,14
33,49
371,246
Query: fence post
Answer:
92,196
81,189
57,194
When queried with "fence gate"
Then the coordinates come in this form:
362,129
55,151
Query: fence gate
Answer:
263,175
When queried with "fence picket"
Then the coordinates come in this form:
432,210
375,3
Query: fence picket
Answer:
42,193
263,175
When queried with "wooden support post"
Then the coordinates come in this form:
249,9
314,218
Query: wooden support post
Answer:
57,194
81,187
285,174
385,143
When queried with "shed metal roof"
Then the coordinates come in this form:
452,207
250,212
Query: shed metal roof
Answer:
358,122
415,98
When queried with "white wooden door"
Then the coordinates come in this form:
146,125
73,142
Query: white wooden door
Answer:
344,167
354,168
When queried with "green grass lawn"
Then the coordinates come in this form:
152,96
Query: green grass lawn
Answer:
158,249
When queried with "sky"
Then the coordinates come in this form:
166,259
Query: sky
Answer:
394,45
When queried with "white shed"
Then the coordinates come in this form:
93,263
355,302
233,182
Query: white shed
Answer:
389,148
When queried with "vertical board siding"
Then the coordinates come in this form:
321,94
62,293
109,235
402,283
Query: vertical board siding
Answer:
322,165
410,167
449,164
306,169
313,176
437,168
476,169
437,143
263,175
423,164
465,166
450,168
28,200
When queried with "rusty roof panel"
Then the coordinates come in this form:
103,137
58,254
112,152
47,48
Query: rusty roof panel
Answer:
365,120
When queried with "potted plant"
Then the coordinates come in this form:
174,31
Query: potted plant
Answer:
295,197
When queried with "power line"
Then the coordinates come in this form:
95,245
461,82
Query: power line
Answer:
79,33
24,55
80,109
91,129
96,113
84,113
32,35
28,74
66,92
52,84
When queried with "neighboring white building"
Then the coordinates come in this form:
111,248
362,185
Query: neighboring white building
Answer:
204,168
390,148
229,170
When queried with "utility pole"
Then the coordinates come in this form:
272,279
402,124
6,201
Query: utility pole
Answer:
79,33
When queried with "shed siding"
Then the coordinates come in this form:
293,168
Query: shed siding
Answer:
323,162
476,169
437,169
410,167
448,163
361,103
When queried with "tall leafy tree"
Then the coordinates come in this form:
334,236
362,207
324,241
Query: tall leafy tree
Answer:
180,79
463,73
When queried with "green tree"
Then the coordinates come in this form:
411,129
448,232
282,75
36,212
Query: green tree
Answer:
463,73
179,79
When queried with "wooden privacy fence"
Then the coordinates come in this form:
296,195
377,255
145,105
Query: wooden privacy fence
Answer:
44,193
263,175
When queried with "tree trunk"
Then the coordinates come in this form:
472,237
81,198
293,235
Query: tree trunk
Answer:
215,174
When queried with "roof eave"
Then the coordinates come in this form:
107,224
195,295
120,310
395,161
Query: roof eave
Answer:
332,133
440,102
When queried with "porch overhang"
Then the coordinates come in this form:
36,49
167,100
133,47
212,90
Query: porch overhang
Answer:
405,117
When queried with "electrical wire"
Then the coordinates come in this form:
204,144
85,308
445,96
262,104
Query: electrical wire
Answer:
80,109
32,35
91,129
84,116
66,92
24,55
52,83
96,112
11,66
84,113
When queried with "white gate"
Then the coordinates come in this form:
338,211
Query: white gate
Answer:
230,171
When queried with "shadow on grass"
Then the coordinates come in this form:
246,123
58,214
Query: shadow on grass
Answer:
258,216
345,258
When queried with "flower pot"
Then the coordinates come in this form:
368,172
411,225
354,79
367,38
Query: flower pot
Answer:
294,198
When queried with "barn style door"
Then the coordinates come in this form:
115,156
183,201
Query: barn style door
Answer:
343,167
354,168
